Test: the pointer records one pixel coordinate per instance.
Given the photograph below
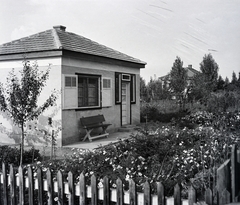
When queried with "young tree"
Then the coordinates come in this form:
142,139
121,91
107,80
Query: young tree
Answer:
209,69
19,97
178,81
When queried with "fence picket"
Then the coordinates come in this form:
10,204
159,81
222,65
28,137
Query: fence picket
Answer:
177,195
192,197
209,196
161,194
119,191
30,186
235,169
71,189
61,195
147,193
40,186
224,197
106,191
5,184
82,187
94,191
50,187
21,185
223,179
12,186
132,192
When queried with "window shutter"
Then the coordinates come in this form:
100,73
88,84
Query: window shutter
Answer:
106,92
70,91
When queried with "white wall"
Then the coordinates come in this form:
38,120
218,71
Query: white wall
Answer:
10,132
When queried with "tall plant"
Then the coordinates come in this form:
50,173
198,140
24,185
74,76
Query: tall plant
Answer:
178,80
19,96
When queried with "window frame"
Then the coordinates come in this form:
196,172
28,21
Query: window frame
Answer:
99,91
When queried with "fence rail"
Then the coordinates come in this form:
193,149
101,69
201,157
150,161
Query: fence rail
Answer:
24,186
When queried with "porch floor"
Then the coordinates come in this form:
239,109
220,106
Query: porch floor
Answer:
112,138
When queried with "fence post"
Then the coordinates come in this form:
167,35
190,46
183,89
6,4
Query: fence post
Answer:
21,185
40,186
30,186
61,195
71,188
132,193
5,184
161,194
94,191
209,196
82,188
50,187
119,192
177,195
192,197
235,170
147,193
12,186
223,182
106,191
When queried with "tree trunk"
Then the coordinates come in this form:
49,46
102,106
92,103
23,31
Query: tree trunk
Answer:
22,145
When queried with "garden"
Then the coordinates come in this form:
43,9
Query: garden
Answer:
186,150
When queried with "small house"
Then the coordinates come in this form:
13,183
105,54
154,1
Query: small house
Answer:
91,78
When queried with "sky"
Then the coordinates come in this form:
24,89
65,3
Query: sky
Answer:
154,31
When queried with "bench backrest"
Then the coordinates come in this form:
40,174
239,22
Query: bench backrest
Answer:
92,120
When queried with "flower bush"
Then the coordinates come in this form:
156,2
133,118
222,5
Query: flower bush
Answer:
170,153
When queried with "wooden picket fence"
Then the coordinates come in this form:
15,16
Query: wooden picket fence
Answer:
227,187
24,186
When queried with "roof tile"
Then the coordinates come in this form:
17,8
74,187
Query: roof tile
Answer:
57,39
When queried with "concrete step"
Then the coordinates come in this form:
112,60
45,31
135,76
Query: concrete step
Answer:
127,128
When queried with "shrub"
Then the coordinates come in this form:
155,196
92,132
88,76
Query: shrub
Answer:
11,155
154,113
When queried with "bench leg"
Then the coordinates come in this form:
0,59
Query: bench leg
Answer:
88,132
104,131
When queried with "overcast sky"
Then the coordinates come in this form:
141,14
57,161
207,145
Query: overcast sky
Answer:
154,31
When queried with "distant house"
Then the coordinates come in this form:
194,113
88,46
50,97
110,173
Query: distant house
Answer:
93,79
190,73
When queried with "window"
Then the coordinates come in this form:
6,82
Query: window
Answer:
126,77
106,92
88,91
70,81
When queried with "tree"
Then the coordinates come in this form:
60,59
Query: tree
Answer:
19,97
220,83
154,89
209,69
234,78
143,89
178,81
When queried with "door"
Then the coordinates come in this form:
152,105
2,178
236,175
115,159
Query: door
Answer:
125,103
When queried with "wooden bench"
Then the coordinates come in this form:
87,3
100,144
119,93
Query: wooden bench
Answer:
93,122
